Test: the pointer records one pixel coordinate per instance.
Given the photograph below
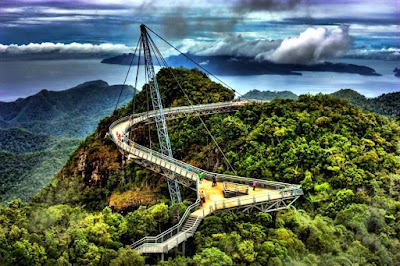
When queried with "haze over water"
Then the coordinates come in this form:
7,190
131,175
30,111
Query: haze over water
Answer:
20,79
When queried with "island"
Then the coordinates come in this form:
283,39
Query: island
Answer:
242,66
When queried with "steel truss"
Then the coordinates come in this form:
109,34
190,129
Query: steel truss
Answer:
270,206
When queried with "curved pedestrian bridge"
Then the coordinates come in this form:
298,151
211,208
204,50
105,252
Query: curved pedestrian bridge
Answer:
268,195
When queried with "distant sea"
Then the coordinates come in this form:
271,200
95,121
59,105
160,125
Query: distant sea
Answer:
19,79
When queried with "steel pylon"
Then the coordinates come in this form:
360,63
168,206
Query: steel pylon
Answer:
162,131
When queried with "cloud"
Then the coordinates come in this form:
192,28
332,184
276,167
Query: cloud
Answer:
174,25
389,54
314,45
244,6
179,22
61,50
233,45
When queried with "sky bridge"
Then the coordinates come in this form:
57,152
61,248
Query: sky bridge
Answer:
268,195
230,192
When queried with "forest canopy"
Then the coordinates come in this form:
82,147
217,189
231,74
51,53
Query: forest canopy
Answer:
346,159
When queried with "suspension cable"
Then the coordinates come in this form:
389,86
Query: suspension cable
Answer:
191,103
197,64
137,75
127,74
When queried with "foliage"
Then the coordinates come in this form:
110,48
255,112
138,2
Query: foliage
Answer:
65,235
29,161
95,169
50,127
386,104
269,95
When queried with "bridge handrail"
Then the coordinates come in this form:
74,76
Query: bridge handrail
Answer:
174,110
207,174
183,108
220,177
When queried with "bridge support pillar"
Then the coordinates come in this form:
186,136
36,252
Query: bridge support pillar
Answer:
183,248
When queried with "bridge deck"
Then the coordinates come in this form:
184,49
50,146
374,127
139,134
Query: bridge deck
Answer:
268,196
215,194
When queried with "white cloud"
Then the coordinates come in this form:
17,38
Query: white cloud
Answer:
48,20
234,45
314,45
60,49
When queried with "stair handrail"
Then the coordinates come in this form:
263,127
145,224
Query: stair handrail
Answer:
178,226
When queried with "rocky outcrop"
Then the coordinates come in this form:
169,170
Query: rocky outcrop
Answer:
396,72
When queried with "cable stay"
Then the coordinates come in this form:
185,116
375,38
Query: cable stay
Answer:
158,53
150,51
127,74
197,64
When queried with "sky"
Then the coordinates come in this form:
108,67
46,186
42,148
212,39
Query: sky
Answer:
282,31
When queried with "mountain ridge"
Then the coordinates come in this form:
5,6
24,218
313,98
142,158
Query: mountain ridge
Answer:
84,105
387,104
40,131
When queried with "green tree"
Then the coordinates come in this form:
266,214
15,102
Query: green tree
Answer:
212,257
127,257
26,253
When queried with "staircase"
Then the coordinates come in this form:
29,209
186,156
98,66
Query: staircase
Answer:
187,231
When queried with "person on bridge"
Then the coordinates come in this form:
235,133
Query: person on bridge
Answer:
254,185
203,196
214,181
201,177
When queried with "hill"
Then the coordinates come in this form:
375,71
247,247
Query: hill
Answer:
269,95
29,161
70,113
387,104
346,159
97,166
38,133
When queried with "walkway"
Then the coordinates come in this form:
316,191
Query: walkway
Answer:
268,196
